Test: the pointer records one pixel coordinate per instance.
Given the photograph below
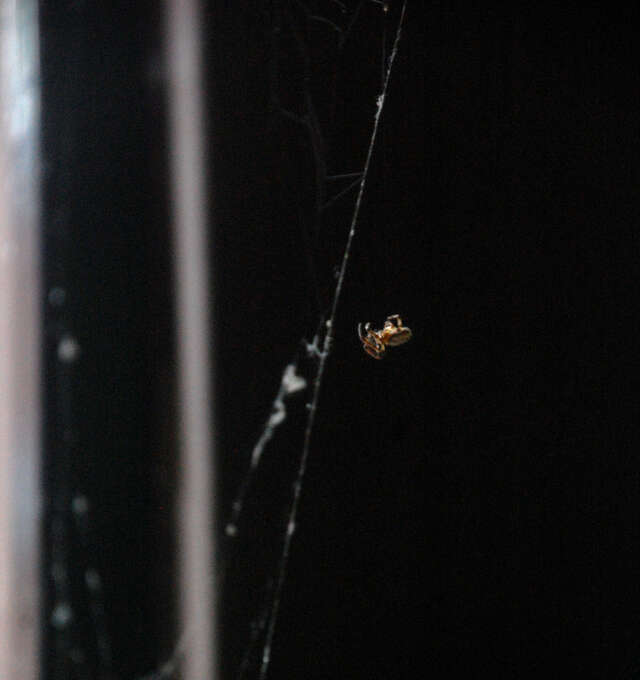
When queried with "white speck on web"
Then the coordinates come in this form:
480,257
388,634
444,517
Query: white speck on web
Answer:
290,383
313,349
57,296
68,349
61,615
80,505
92,579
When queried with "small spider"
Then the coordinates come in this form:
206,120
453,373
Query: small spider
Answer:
393,333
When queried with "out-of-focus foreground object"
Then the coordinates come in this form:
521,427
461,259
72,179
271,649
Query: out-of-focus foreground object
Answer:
20,493
198,610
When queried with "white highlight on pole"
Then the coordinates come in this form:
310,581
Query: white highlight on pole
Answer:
196,521
20,343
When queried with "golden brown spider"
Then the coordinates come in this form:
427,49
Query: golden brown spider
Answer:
393,333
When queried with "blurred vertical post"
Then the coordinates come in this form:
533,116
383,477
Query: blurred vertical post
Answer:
187,144
20,346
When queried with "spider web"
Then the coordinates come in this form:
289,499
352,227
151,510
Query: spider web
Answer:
309,46
319,349
303,376
293,37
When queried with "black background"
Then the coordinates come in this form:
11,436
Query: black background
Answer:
471,502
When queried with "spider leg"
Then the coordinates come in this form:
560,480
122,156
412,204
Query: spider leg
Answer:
373,351
377,343
395,320
364,335
370,341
